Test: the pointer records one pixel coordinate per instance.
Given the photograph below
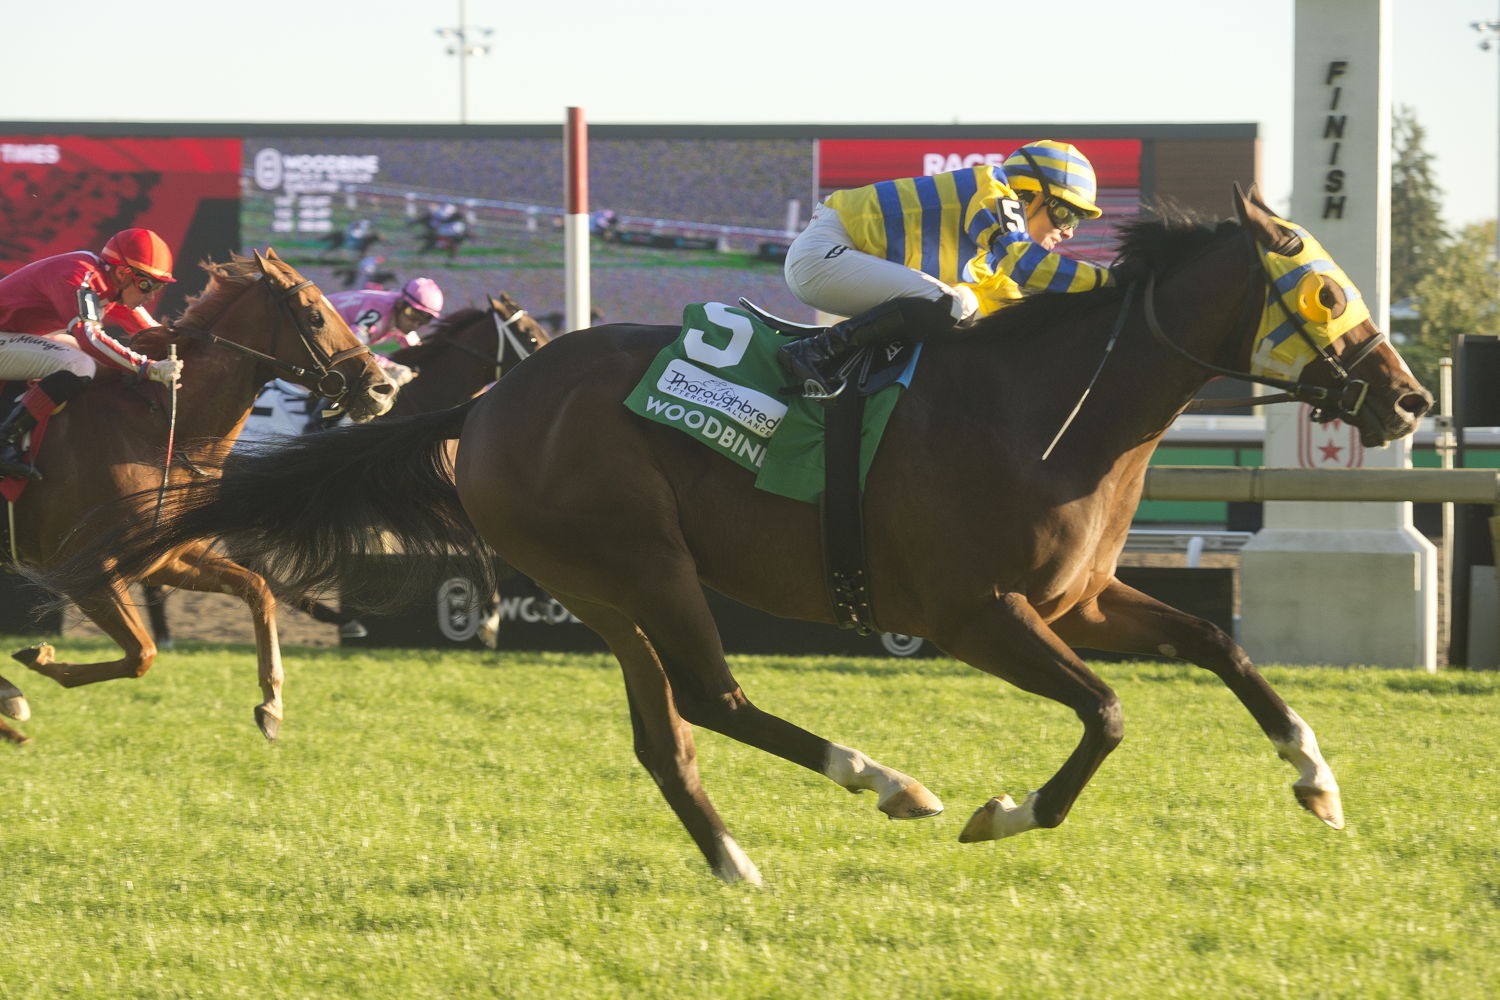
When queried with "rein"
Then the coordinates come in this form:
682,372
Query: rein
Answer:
323,363
1343,400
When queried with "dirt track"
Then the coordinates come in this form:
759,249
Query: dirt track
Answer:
221,618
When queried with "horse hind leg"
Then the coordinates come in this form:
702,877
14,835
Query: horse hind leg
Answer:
12,702
664,742
677,622
1122,619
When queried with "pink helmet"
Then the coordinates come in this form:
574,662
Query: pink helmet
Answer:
424,295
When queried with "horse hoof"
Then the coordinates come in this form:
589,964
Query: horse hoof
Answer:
269,725
999,818
912,802
14,705
15,738
1326,805
35,656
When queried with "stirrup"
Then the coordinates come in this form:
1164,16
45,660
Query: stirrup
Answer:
819,393
18,470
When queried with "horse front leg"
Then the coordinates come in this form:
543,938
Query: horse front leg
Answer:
200,568
1122,619
1008,639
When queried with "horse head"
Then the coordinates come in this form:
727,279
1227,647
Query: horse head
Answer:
1316,331
317,349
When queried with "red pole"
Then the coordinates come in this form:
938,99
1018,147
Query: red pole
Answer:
576,221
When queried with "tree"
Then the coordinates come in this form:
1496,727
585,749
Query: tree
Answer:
1417,235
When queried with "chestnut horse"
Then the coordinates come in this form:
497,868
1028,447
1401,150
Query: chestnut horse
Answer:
258,318
1004,559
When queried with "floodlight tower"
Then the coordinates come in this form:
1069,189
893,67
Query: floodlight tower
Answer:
1490,30
461,45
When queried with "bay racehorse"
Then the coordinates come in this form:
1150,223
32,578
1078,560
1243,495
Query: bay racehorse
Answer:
1004,559
464,352
258,318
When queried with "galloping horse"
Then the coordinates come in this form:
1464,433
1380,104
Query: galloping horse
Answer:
257,319
1002,558
465,352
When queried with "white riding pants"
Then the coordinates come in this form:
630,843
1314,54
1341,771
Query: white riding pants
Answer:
26,356
825,271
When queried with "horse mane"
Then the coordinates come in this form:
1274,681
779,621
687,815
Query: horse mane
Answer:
1150,244
451,322
225,282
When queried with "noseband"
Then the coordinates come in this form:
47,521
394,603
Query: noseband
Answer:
327,382
1343,400
504,334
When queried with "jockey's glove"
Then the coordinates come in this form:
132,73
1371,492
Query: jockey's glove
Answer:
166,371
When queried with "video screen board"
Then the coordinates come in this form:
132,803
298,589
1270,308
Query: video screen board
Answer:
66,192
673,221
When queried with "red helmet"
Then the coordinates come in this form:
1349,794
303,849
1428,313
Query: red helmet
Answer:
142,250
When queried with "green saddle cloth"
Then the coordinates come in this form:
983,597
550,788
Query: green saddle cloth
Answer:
719,383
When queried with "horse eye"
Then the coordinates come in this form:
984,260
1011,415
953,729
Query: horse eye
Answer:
317,320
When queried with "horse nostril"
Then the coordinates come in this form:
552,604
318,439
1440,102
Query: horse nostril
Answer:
1415,403
386,388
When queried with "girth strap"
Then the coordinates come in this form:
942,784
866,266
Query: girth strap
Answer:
841,512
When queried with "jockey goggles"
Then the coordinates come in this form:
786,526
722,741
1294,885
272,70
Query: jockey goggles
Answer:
145,282
1063,215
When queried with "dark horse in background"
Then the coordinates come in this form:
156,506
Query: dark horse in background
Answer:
1001,558
258,318
462,354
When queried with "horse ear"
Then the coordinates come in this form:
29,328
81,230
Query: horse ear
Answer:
1257,220
261,260
271,254
495,303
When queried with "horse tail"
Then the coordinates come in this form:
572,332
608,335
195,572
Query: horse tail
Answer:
308,512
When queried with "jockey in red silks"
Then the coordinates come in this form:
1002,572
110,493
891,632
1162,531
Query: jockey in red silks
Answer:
388,321
49,336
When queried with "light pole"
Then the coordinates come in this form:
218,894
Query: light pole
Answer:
1489,30
461,46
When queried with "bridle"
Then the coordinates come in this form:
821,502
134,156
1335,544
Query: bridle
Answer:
505,333
1342,400
323,369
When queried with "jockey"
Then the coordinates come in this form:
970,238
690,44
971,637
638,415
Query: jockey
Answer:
388,320
935,252
49,335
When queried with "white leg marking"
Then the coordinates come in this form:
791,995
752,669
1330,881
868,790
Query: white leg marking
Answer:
1303,754
851,769
733,864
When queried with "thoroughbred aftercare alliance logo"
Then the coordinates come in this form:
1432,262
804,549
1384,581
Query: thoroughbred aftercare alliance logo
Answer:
755,411
748,417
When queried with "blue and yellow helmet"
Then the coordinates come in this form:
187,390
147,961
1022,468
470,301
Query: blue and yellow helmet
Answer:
1069,174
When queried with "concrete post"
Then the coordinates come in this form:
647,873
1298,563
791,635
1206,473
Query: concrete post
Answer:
1329,583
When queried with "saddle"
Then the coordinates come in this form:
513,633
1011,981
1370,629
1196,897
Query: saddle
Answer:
867,369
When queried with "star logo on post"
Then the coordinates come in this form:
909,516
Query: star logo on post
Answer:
1334,445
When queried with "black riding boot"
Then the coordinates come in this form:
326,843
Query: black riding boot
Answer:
12,462
810,359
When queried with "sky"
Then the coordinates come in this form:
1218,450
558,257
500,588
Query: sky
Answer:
775,61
